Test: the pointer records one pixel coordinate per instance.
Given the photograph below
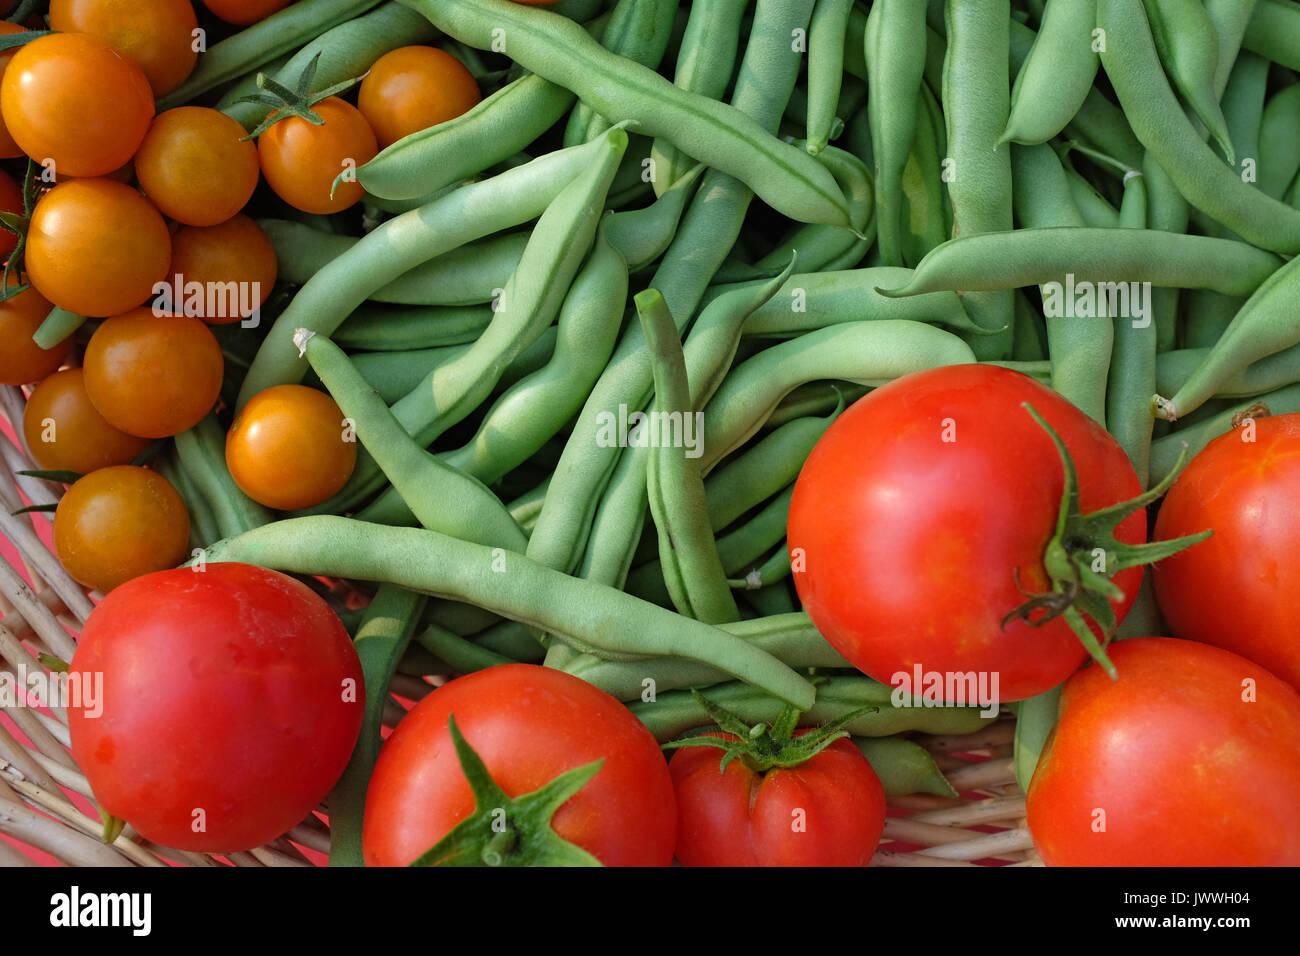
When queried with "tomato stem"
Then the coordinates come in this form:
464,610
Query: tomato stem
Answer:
285,102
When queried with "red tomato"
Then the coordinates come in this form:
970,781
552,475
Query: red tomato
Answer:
11,200
1191,758
920,503
244,12
231,700
1238,590
829,811
529,724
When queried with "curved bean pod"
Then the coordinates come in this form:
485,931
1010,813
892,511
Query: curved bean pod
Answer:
1056,76
1165,451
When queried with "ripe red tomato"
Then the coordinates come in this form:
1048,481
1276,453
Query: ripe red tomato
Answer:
1238,589
529,724
11,200
301,161
1191,758
231,700
244,12
73,99
829,811
918,506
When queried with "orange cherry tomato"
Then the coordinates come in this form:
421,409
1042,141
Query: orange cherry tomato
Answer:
8,148
157,35
194,167
22,361
64,432
153,375
73,99
96,247
287,448
244,12
301,160
236,251
118,523
413,88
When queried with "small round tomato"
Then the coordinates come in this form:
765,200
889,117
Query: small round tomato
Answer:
153,375
412,88
243,12
195,168
528,724
73,99
289,448
118,523
158,35
22,361
920,505
1237,590
828,811
229,703
96,247
301,160
208,259
1191,758
11,200
65,433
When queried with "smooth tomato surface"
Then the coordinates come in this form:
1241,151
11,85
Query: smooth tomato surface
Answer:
236,251
118,523
73,99
22,361
65,433
301,161
193,166
1191,758
234,691
829,811
8,148
918,505
1240,589
412,88
529,724
96,247
157,35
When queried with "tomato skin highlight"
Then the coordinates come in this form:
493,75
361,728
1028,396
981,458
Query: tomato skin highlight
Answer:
1187,771
301,161
223,691
743,818
529,724
412,88
918,505
81,440
1238,589
193,166
157,35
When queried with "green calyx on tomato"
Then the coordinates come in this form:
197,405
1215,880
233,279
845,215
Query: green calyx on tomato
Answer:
505,831
285,102
1083,554
762,747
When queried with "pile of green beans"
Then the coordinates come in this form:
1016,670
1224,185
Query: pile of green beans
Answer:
741,216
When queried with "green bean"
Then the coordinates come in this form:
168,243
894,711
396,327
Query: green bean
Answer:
374,327
262,42
1165,451
1243,105
742,547
528,506
976,102
775,568
1263,327
591,617
815,398
789,180
1274,33
1208,315
57,327
927,219
441,498
674,488
203,523
1131,63
380,642
202,454
346,51
1173,369
1096,210
1041,194
638,31
1167,210
1031,335
704,65
1035,719
827,32
642,235
1034,256
1279,142
401,243
903,767
675,712
895,53
503,124
1056,76
772,599
463,656
870,353
1188,45
510,639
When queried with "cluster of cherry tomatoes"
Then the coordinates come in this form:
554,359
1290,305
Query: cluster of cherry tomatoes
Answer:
137,221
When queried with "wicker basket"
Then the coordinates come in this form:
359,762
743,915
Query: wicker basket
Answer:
47,811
